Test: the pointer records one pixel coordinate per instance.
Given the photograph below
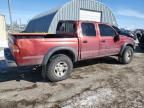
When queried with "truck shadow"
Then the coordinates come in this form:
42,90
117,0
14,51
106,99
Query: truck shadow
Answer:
106,60
18,74
28,74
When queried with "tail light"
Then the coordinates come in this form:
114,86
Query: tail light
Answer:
15,49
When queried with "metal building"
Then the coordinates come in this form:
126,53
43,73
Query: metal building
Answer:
74,10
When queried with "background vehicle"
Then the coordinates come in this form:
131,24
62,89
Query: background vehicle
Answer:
74,41
125,32
140,35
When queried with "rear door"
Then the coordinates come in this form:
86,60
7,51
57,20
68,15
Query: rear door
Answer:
108,44
89,40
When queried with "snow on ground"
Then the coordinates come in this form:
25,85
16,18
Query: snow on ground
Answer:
1,54
91,98
3,44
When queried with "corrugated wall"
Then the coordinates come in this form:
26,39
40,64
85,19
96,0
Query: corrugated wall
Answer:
70,11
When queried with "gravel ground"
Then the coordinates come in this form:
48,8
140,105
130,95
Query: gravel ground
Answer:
99,83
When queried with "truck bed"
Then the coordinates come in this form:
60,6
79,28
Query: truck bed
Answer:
34,46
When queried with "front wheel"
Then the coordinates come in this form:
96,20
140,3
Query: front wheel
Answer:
127,55
59,68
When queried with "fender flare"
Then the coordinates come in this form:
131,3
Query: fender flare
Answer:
51,52
124,46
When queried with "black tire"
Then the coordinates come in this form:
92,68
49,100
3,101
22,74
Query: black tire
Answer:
127,55
59,68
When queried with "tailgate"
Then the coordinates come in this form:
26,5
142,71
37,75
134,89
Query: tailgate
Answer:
13,37
11,42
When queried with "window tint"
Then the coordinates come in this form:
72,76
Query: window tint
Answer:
106,30
68,27
88,29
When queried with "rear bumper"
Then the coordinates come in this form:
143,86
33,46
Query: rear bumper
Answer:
10,61
27,61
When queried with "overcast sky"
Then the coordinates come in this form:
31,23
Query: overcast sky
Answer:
129,13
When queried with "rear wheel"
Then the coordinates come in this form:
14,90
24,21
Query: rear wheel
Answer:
59,68
127,55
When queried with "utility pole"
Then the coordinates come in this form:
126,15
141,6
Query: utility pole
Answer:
20,24
10,14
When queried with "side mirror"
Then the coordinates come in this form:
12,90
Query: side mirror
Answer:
117,37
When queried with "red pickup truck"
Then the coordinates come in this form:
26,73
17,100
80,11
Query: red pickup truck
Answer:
73,42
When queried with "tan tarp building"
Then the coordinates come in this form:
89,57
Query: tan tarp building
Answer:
3,33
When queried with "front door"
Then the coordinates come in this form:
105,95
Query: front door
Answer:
108,44
89,40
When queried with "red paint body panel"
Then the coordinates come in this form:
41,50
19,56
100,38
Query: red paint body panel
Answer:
31,51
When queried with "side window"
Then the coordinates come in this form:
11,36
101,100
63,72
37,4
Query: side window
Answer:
88,29
106,30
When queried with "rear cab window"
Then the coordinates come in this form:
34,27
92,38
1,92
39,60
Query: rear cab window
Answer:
66,27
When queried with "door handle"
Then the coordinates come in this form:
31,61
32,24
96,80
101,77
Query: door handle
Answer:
103,41
85,41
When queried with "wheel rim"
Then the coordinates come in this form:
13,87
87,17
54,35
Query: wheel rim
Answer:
61,69
128,55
